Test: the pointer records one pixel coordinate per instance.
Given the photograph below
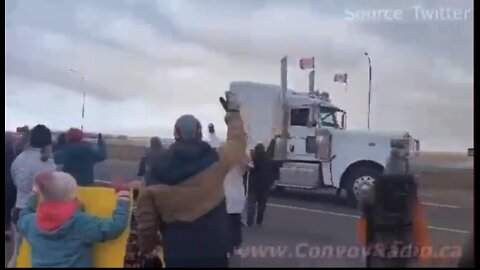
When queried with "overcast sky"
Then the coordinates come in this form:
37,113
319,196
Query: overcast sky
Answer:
144,63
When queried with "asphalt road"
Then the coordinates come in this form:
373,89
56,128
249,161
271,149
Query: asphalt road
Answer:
301,228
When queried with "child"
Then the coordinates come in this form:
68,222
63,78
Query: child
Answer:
60,233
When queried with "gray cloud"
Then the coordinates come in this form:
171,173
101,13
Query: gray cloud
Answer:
180,55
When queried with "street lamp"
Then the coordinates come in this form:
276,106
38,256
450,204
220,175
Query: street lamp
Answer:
84,96
369,88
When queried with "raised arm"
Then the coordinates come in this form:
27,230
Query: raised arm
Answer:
97,229
234,149
142,167
100,154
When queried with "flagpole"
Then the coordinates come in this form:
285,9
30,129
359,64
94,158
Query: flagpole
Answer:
283,85
83,110
311,82
84,98
369,88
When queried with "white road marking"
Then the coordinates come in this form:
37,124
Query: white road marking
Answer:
441,205
448,230
318,211
313,210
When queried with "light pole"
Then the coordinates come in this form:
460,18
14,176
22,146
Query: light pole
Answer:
369,88
84,96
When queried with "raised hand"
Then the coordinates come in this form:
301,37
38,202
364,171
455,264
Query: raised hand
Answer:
230,103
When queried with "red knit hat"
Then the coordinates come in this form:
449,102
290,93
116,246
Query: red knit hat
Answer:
74,135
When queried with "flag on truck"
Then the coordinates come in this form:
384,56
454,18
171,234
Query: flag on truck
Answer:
307,63
341,78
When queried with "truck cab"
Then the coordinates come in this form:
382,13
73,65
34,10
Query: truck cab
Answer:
312,144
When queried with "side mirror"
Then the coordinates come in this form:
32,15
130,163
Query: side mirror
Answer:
312,123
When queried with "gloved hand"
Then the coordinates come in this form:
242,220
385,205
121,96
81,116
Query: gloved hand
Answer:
122,189
211,127
230,103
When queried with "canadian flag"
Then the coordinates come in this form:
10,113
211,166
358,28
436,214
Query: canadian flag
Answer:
307,63
341,78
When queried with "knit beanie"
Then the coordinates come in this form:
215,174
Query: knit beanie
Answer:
74,135
187,128
56,186
40,136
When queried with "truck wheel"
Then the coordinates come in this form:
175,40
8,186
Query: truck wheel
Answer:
357,179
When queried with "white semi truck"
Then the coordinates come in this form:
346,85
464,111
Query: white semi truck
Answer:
311,141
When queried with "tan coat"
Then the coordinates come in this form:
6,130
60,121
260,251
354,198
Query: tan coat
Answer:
194,197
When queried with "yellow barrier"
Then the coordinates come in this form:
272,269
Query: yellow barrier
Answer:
109,254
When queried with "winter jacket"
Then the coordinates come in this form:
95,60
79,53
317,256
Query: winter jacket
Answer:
145,165
187,203
24,168
79,159
65,238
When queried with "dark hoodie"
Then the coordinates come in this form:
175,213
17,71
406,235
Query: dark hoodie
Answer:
153,156
187,202
182,161
79,158
61,141
263,173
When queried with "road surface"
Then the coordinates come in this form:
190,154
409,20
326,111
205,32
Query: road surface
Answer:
300,228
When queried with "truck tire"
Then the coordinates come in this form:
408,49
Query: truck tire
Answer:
357,178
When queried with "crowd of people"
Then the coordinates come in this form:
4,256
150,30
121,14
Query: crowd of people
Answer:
34,154
191,201
196,193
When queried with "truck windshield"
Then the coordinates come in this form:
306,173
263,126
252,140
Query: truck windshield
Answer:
328,117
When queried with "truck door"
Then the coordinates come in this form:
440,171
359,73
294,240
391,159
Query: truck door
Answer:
300,169
301,127
324,155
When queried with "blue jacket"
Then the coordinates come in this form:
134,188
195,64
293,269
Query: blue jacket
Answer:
79,159
70,246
